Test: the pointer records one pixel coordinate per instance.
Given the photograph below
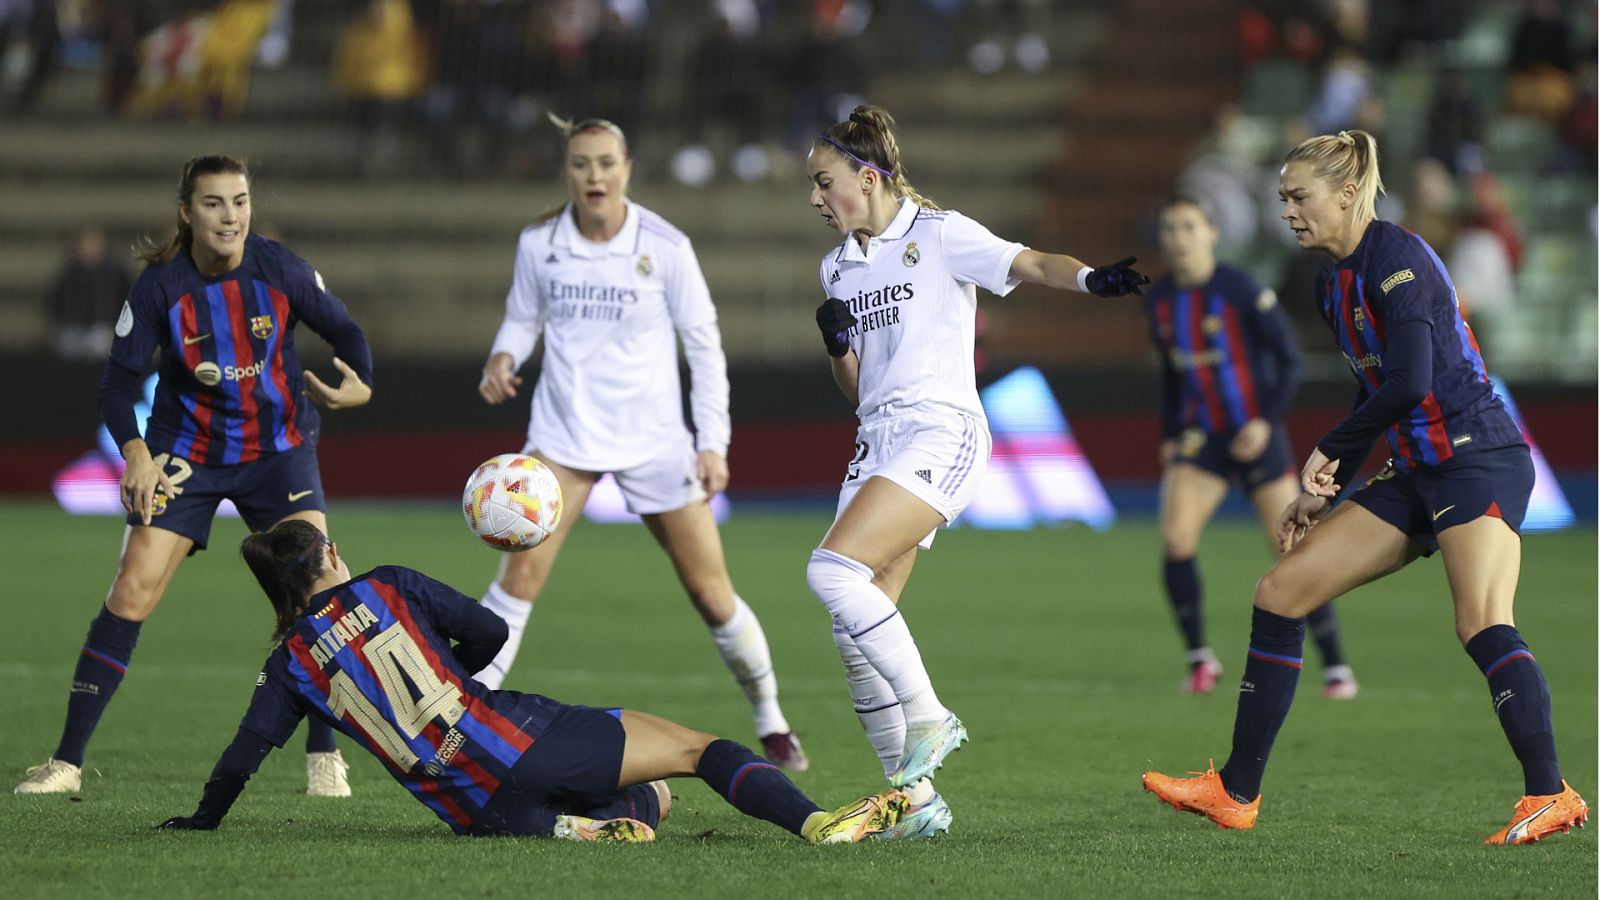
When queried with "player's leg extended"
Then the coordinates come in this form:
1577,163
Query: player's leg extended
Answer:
1349,548
1339,682
1190,496
880,525
689,536
657,749
1483,560
522,576
150,556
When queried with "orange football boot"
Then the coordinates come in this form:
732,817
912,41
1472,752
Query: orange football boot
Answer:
1538,816
1206,796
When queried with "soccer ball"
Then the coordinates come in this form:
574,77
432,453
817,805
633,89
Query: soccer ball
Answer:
512,502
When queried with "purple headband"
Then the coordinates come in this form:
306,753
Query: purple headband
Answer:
879,169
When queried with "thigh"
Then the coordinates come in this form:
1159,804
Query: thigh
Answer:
1190,496
1270,500
150,556
1349,548
1483,560
523,574
883,522
197,491
669,482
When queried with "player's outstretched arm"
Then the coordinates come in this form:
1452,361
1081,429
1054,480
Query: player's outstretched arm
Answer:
240,761
352,390
1064,272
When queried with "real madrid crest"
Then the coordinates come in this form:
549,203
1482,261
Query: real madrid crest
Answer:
261,326
912,256
643,267
1360,319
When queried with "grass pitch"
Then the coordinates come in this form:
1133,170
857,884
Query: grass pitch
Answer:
1055,647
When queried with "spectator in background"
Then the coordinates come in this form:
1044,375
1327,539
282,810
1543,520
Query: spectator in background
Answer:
1579,125
1455,125
1346,85
35,23
122,22
1430,208
825,73
381,64
617,59
731,77
84,297
1541,63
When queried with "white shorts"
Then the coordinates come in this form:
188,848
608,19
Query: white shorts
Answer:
938,456
667,483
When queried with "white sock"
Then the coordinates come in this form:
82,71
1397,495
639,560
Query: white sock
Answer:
514,611
875,703
744,650
922,792
871,620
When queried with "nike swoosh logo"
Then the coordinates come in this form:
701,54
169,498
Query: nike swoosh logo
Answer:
1443,511
191,341
1521,828
296,495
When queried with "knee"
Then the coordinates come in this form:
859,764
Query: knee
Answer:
1277,592
663,799
828,571
1177,546
133,597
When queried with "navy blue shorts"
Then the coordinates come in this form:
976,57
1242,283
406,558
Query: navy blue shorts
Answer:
1210,453
572,769
1493,482
265,491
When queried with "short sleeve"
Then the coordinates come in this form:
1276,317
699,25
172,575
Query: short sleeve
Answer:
275,710
975,256
141,325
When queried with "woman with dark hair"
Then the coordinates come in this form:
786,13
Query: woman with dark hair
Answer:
901,342
372,654
230,421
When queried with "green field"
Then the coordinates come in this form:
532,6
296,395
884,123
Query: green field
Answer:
1055,647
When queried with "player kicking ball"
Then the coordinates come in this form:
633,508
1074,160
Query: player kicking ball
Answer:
372,655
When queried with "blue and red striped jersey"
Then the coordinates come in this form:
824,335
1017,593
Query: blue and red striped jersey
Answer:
1228,353
373,657
230,385
1392,278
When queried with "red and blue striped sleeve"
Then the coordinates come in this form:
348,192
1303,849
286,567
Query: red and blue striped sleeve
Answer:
478,632
1274,337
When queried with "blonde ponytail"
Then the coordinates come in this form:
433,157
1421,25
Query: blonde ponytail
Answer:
1349,157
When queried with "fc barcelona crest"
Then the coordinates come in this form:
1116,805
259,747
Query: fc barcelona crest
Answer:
912,256
1360,319
261,326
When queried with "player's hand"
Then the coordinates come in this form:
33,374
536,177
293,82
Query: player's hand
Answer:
712,470
1116,279
1316,478
352,391
140,481
1169,451
499,382
188,823
1299,517
1250,441
835,320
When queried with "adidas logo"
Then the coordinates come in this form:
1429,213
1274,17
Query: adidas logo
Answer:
926,475
834,278
552,258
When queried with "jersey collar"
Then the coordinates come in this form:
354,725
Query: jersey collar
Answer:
898,228
625,243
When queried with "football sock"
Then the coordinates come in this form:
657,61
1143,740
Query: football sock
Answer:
875,703
1270,672
319,736
754,786
744,650
101,664
872,621
1522,701
1182,577
514,611
1324,626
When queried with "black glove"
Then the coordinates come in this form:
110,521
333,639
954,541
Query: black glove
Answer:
835,321
1116,279
188,823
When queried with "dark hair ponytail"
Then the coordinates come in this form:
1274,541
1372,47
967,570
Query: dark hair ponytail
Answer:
156,254
286,560
867,138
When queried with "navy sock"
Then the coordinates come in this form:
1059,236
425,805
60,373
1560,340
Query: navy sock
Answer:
1522,701
1265,693
319,736
1182,578
1325,631
101,664
754,786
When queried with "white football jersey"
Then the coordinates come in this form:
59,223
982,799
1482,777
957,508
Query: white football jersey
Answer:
912,293
608,396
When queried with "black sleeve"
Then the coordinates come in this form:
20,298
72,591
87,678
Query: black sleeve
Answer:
1410,365
478,632
328,317
240,761
1276,333
119,391
1171,416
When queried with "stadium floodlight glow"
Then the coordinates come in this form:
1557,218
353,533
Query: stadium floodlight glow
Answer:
1548,509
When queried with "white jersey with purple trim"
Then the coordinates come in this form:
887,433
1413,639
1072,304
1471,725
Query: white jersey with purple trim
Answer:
913,295
609,396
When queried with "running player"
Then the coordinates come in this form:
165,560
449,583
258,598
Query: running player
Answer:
230,422
1230,369
609,285
1458,484
899,326
372,654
